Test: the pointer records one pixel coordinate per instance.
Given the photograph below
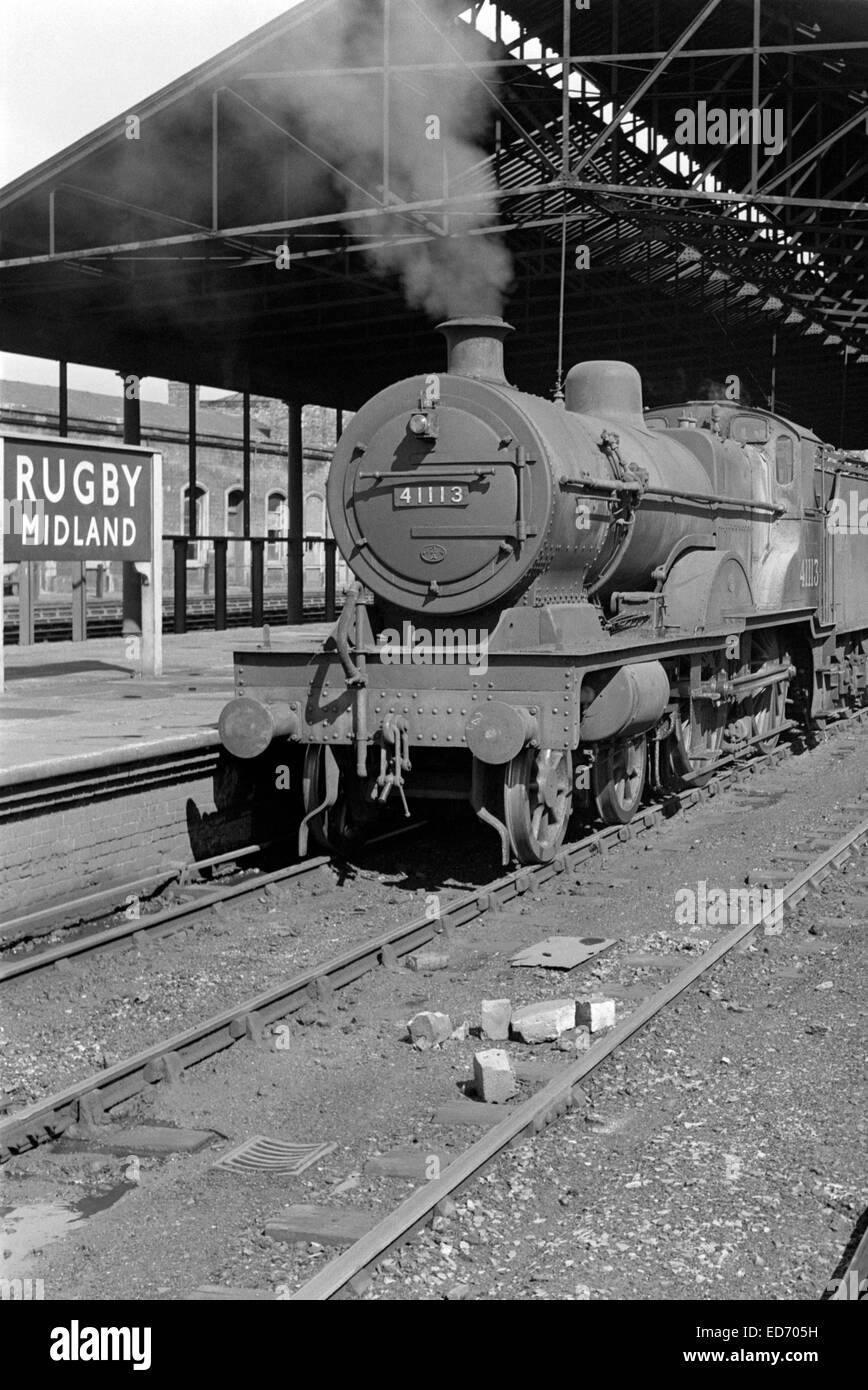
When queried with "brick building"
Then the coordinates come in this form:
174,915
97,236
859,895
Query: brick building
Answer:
26,407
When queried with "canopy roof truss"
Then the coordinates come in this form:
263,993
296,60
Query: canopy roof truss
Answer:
706,256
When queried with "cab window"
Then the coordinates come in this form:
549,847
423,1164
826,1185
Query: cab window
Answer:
784,459
749,429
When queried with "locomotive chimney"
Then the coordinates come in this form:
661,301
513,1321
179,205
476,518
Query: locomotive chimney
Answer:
474,347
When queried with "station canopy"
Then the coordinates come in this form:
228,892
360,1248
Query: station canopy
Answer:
292,217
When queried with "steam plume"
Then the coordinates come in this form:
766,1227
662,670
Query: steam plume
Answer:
435,123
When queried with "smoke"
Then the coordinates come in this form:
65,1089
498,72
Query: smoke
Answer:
428,143
708,389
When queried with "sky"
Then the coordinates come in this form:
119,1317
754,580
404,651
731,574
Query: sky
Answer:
68,66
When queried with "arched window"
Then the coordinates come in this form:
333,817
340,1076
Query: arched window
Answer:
313,515
235,512
237,571
314,550
197,548
276,526
784,459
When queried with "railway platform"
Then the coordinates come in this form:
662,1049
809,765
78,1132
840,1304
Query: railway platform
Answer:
105,774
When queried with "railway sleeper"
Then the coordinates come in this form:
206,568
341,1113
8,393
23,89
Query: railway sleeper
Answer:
168,1068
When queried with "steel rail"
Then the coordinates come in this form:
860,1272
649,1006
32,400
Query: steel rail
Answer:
176,875
53,1114
552,1101
14,930
73,912
855,1275
44,920
142,926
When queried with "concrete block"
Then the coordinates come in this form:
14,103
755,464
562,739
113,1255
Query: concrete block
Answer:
428,960
325,1225
494,1018
544,1022
493,1076
422,1162
596,1012
429,1029
576,1040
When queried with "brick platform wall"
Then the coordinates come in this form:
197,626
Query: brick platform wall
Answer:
67,841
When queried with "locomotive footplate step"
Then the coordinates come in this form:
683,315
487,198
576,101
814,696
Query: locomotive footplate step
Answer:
325,1225
562,952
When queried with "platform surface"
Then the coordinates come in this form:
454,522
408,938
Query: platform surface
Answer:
71,705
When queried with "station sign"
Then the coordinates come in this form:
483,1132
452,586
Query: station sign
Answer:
68,499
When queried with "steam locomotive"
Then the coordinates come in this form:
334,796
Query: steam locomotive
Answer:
590,602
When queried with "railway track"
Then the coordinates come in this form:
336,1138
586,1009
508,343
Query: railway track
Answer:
86,1100
85,913
71,914
150,926
558,1096
852,1282
55,624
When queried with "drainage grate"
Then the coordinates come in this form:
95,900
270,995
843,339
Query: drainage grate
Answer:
263,1155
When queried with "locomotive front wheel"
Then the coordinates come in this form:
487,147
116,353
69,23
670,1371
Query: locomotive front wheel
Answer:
618,779
537,799
333,830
